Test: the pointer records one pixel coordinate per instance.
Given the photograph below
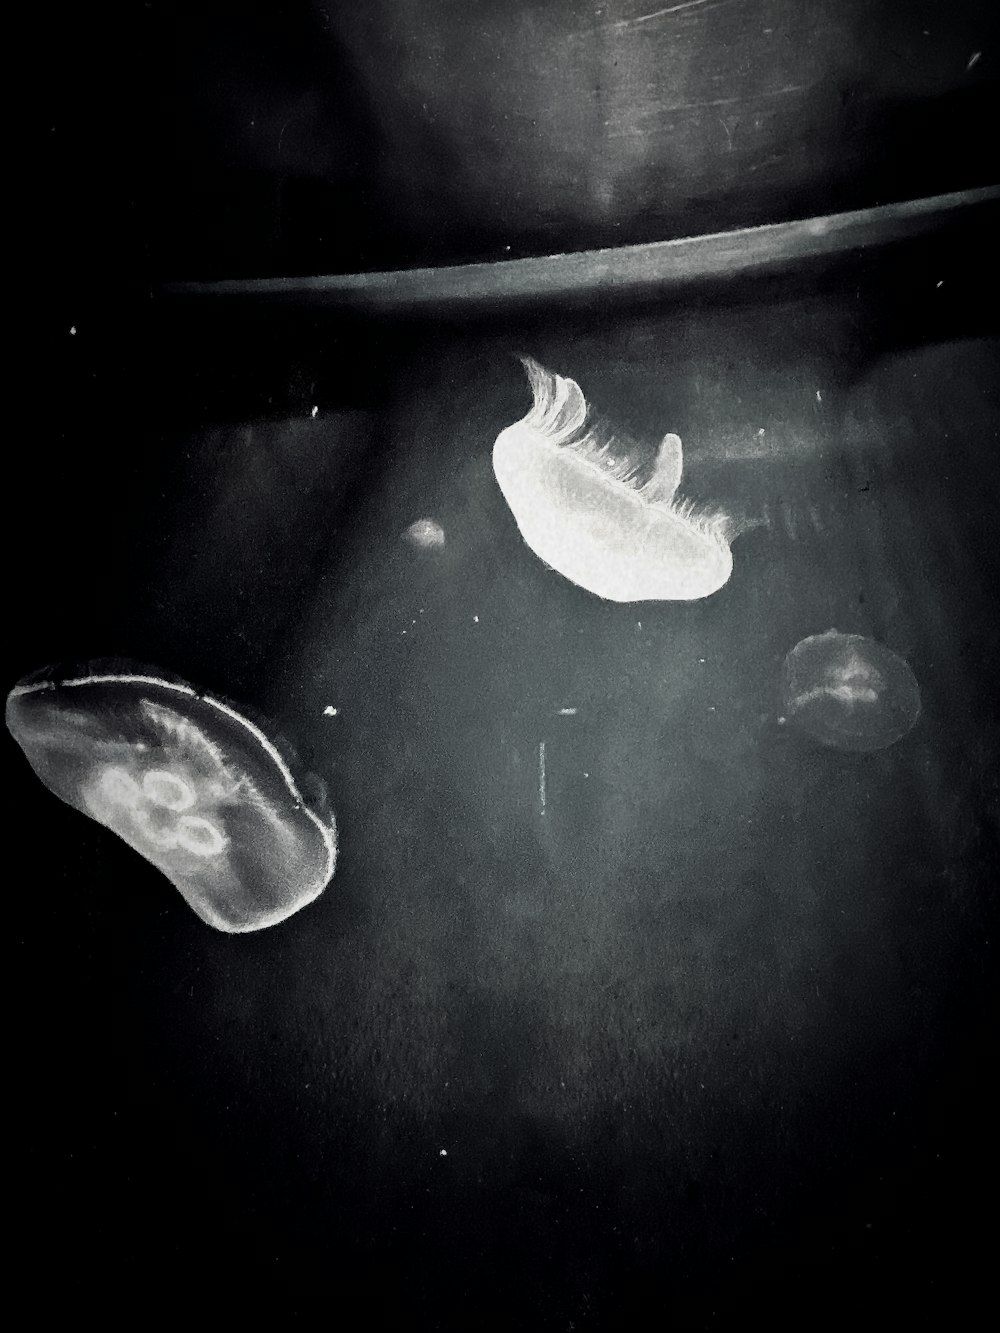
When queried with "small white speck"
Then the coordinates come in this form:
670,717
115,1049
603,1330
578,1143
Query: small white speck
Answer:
314,413
711,708
781,721
475,620
567,712
72,329
701,659
760,432
638,624
443,1152
330,711
819,396
586,775
939,284
973,59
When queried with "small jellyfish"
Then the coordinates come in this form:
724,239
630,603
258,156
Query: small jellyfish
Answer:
187,781
425,533
576,495
849,692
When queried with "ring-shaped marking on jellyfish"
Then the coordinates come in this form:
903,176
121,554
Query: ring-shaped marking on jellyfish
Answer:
186,780
167,789
199,836
120,788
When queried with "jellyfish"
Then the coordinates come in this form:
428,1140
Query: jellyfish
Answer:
579,501
425,533
849,692
187,781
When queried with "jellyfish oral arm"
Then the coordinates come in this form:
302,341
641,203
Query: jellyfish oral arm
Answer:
662,485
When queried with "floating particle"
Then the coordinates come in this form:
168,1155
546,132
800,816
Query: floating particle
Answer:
576,496
849,692
425,533
187,781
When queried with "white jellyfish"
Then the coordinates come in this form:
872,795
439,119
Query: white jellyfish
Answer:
426,534
849,692
187,781
581,506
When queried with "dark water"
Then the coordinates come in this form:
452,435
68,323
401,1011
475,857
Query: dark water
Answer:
628,1003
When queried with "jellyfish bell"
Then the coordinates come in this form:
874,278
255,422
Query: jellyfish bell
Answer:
188,781
426,534
849,692
582,507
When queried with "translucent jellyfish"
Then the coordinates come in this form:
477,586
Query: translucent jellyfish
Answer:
849,692
185,780
426,533
576,495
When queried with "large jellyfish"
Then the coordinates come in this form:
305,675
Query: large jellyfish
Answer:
579,503
849,692
187,781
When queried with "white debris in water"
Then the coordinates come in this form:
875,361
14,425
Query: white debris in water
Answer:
567,712
973,59
443,1152
314,413
330,711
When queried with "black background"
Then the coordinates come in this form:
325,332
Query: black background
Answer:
252,1127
